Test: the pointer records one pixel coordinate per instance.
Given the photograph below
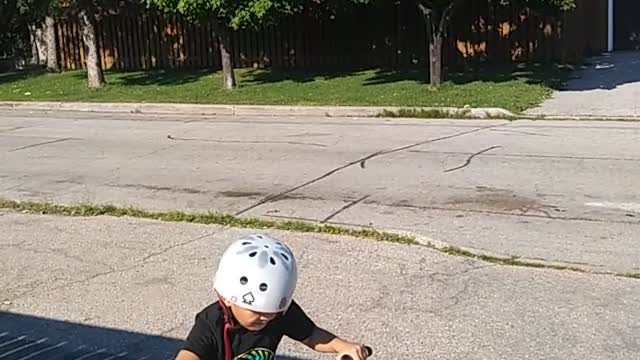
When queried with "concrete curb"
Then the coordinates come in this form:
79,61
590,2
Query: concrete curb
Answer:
243,110
590,117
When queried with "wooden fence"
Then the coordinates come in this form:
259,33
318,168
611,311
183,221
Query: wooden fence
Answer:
392,34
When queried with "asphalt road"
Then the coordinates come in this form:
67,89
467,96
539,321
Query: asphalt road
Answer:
118,288
559,191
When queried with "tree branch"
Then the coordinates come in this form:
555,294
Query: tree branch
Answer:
446,15
425,8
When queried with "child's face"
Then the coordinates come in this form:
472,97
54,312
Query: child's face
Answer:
251,320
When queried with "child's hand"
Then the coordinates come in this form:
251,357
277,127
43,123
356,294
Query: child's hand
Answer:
323,341
356,351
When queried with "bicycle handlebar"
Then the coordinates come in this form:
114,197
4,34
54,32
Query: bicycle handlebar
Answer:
368,352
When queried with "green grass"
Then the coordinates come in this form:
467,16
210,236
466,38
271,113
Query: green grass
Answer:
514,88
218,218
511,261
631,275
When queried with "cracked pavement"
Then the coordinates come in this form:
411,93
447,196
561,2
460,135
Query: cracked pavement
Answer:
563,192
145,277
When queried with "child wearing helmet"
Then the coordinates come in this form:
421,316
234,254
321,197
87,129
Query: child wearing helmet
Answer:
254,282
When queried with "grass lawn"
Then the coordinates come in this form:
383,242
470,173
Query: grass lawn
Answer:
514,88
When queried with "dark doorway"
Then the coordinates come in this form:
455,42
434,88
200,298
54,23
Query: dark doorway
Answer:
627,25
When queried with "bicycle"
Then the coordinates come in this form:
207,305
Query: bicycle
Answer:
368,351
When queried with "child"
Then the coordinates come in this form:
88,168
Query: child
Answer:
255,281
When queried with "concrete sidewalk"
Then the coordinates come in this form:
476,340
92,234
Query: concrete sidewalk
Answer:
608,87
115,282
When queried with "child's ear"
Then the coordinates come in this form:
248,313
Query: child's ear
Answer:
227,302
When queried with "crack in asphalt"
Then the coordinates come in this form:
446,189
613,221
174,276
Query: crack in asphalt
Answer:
59,252
165,250
247,141
142,262
361,161
603,158
468,161
350,204
41,144
13,129
520,132
546,216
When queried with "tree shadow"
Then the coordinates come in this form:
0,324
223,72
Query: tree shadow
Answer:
607,72
551,75
21,75
374,76
36,338
298,75
388,75
160,77
548,74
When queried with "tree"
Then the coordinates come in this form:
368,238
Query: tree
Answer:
35,13
38,45
438,14
228,16
52,47
12,30
88,11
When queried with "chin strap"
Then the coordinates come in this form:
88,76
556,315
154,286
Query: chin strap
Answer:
228,324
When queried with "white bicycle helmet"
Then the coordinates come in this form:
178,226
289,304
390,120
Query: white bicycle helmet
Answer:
258,273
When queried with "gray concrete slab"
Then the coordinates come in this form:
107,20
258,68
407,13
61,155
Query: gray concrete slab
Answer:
609,85
560,191
133,286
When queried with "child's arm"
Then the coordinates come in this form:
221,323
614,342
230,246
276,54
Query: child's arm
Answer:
298,326
187,355
322,340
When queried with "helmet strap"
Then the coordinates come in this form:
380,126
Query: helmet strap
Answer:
228,324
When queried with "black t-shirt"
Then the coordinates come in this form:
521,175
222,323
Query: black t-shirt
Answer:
206,338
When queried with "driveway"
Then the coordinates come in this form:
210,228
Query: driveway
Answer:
107,288
609,85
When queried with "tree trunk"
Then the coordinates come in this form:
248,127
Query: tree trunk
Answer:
95,77
52,48
224,40
437,19
435,59
38,45
35,53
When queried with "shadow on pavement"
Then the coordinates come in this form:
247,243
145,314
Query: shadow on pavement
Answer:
35,338
607,72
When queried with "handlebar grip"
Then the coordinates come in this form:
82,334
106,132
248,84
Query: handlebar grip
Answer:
368,352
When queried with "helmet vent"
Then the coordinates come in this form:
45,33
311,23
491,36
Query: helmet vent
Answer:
253,254
247,243
244,280
263,287
272,260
